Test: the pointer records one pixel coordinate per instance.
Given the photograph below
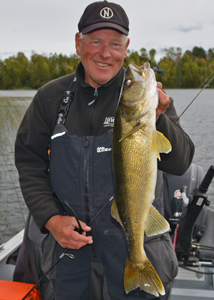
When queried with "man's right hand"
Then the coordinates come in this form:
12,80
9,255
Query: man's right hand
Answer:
62,229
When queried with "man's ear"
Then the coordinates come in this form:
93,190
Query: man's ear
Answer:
78,41
127,44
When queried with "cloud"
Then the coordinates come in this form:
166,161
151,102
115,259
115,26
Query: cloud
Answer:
190,26
6,54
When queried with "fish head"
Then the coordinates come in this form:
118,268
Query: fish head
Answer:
140,90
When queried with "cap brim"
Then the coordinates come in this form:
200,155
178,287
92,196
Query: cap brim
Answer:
103,25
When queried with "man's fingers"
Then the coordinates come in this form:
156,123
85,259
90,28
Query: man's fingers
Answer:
159,85
63,230
84,226
163,101
74,240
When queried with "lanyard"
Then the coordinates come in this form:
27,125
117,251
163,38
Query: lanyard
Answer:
66,102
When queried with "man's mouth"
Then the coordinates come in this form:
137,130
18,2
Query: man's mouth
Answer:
102,64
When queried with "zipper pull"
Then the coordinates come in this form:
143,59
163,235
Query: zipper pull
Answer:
86,143
95,97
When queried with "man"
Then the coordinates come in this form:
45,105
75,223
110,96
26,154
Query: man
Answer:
76,177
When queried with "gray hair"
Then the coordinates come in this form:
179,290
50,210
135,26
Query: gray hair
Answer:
81,36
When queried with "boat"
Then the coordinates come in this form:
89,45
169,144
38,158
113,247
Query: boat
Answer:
7,251
191,221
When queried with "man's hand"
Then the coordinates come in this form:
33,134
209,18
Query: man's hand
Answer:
164,101
62,229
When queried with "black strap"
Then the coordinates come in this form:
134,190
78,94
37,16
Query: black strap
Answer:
66,102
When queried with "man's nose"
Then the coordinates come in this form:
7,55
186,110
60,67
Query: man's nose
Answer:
105,51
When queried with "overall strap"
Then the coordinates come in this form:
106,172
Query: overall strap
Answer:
66,102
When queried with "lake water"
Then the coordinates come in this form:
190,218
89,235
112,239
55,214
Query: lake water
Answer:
17,93
198,122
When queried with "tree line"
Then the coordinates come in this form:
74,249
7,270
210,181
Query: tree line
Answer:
174,69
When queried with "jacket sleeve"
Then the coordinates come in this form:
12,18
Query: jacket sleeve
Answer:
179,159
32,162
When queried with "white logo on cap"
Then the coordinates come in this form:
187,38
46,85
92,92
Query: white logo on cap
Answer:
106,13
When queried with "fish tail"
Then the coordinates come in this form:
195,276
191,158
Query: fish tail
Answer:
144,276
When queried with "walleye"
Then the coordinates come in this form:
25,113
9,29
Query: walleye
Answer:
136,145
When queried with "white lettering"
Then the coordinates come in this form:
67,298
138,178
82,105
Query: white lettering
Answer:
103,149
106,13
109,121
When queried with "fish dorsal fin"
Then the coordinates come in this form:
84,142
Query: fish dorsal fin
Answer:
157,224
133,130
160,143
114,212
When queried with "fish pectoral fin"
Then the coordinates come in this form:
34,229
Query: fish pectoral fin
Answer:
144,276
115,213
133,130
160,143
156,224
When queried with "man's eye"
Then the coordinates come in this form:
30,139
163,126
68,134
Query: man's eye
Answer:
116,45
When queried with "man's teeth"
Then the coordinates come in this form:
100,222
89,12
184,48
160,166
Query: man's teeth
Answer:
102,65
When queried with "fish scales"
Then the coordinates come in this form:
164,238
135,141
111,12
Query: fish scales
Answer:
136,145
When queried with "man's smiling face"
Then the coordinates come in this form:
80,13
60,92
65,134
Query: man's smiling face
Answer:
102,54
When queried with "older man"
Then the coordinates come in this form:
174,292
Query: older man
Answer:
71,119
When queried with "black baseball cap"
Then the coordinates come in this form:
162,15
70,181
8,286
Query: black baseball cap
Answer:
104,14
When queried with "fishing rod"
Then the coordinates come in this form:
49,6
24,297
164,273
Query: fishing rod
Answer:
208,80
80,230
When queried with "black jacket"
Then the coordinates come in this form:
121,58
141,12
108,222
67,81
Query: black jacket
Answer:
33,137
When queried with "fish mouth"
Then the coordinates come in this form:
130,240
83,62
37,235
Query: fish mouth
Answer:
135,73
139,73
101,64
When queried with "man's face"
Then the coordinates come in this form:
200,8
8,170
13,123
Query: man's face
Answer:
102,54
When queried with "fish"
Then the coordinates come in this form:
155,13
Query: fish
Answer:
136,145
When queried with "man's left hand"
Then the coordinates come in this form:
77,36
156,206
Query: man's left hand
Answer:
164,101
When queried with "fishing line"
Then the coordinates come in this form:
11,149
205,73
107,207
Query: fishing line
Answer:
206,85
200,272
38,282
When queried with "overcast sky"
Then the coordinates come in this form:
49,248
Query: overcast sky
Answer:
49,26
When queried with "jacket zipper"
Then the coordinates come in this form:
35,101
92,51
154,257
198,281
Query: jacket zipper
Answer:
86,186
93,111
86,166
86,178
86,159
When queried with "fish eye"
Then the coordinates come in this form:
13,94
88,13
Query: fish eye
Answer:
127,82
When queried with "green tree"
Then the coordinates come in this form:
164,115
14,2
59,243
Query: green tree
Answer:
23,67
15,72
7,82
173,53
152,53
199,52
1,73
134,57
143,55
210,53
40,73
169,76
11,73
